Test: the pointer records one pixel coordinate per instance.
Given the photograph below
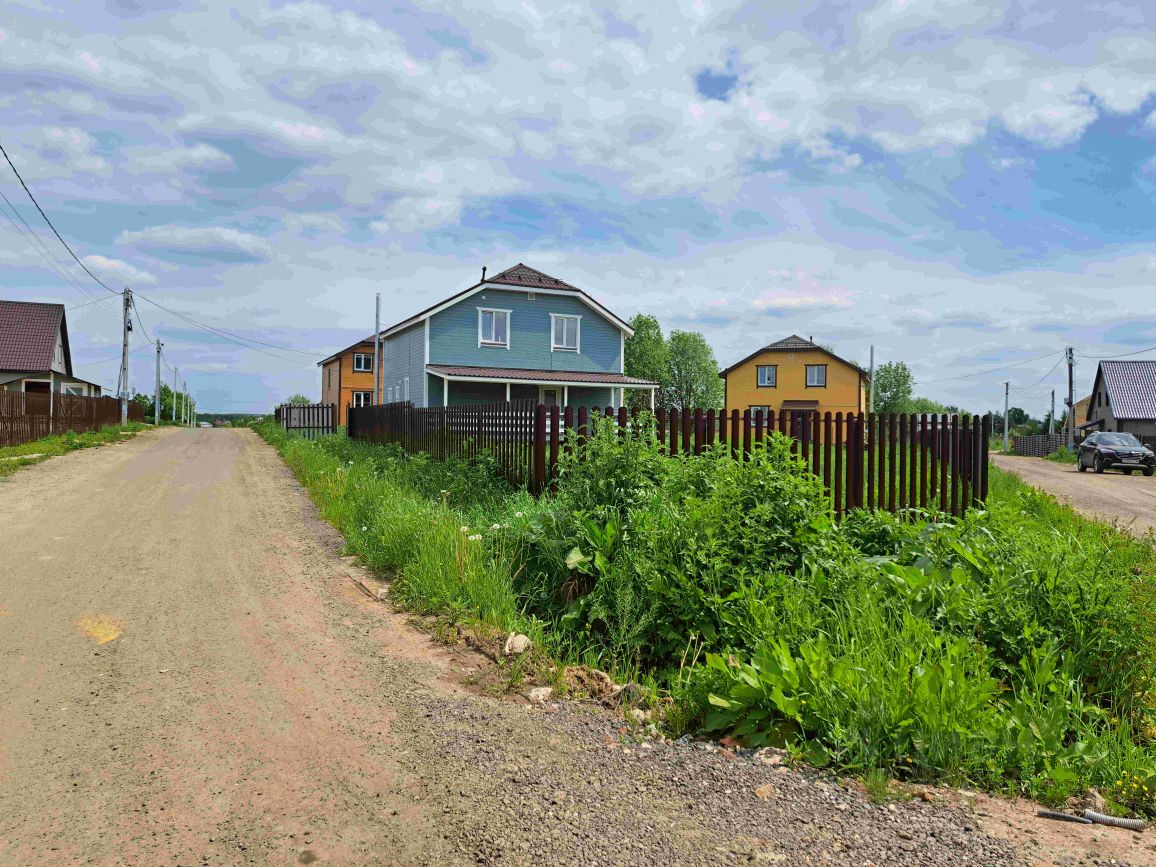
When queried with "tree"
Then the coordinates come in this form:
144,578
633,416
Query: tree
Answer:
1017,416
925,405
893,387
299,400
647,356
692,378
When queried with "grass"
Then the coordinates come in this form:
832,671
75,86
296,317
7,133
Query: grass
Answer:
1063,456
12,458
1011,649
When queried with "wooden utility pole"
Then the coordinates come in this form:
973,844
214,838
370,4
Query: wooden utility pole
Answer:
126,327
157,395
1006,419
1052,415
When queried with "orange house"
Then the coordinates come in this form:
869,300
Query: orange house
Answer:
347,378
795,374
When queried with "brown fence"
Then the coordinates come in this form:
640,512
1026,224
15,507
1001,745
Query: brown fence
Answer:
28,417
866,460
311,421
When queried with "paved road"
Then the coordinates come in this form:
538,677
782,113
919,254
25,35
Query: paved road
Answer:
188,676
1112,496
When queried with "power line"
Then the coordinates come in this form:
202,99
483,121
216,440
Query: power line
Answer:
49,222
112,357
985,372
139,320
1121,355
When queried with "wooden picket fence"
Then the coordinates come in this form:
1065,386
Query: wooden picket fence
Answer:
866,460
310,421
27,417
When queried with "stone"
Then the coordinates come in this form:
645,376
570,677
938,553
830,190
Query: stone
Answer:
765,791
517,644
540,694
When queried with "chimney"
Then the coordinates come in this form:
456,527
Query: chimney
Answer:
483,273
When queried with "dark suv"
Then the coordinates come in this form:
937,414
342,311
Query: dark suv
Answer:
1103,451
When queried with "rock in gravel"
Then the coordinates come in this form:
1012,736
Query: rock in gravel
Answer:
517,644
540,694
765,791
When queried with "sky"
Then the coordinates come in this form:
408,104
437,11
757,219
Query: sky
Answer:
965,186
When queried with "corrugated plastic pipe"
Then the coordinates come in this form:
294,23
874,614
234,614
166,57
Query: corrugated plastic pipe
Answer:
1114,821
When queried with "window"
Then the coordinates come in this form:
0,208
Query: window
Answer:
362,398
363,361
768,375
565,332
74,388
816,376
493,327
765,410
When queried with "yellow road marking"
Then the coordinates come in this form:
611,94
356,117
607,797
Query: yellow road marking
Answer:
102,629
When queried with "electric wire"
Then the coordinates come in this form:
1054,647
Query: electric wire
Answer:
1121,355
989,370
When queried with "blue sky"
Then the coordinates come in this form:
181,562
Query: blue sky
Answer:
963,185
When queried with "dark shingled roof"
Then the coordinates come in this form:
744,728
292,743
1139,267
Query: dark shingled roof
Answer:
792,344
1131,388
28,336
524,275
579,376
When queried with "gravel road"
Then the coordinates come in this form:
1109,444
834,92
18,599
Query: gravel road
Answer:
191,677
1112,496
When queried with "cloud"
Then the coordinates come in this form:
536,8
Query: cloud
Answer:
118,270
413,213
215,243
815,298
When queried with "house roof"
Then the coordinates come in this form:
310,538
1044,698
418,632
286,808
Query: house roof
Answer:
521,276
561,376
794,343
28,332
1131,387
368,341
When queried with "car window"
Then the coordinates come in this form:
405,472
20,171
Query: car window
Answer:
1118,439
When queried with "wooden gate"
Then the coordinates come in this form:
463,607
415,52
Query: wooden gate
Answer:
311,421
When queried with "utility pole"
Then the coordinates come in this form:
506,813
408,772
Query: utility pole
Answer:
126,327
176,381
377,353
1071,354
157,395
1052,415
871,400
1006,419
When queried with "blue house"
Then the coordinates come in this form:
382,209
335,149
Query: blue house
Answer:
520,335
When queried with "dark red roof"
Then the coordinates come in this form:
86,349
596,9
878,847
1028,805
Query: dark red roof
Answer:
566,376
524,275
28,332
791,344
1131,388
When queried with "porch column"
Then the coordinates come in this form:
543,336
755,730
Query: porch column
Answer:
507,392
622,396
652,400
565,395
445,392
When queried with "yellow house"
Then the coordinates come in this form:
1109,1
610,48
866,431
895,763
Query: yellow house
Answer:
795,374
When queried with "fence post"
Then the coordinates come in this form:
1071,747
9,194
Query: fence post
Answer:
555,436
539,448
985,445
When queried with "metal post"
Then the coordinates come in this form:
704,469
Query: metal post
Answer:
157,396
1006,420
871,399
1071,355
125,326
377,353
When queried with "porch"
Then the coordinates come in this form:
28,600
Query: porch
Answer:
457,386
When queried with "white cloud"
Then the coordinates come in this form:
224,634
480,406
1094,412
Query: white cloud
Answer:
118,270
414,213
194,239
168,159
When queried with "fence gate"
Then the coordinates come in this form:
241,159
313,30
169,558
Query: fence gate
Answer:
312,421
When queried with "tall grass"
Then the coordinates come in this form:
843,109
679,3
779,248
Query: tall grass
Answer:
1012,648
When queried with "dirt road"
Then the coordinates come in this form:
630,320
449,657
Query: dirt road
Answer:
1112,497
190,677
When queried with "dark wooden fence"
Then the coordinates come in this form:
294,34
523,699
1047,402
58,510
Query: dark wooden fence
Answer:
866,460
28,417
310,421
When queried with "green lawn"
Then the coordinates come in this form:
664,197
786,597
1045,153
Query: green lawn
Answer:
13,458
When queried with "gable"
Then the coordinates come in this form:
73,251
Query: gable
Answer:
30,335
1130,387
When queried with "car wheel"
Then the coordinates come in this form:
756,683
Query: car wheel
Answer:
1080,464
1127,472
1097,464
1149,471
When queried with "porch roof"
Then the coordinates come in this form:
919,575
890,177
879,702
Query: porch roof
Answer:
536,377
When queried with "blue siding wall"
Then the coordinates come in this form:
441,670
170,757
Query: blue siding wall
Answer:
403,355
454,334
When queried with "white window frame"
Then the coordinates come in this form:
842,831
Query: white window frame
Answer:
766,412
366,398
481,315
64,386
358,355
811,367
554,345
759,368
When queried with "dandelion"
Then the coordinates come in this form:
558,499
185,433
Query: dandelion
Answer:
477,537
517,514
443,492
495,526
364,528
465,529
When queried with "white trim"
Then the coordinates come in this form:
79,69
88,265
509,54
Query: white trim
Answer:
372,362
554,347
550,382
504,287
445,391
566,395
558,398
427,341
622,351
494,343
368,400
406,393
507,392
